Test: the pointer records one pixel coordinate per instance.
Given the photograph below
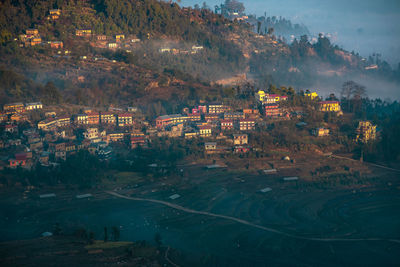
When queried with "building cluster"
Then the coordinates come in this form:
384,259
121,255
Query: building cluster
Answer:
271,104
33,38
118,41
176,51
205,120
56,137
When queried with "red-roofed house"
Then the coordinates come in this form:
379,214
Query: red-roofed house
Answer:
137,141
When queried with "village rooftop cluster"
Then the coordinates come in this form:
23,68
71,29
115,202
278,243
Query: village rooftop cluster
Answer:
26,142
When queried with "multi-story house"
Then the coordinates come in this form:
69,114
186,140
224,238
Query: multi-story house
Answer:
81,119
205,130
240,139
329,106
14,107
63,121
93,118
217,108
211,117
247,125
226,125
33,106
272,110
234,116
366,131
116,137
137,140
108,118
47,124
91,133
125,119
165,120
194,117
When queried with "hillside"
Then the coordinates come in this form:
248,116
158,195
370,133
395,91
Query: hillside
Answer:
167,52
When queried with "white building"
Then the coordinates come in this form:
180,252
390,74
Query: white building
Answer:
33,106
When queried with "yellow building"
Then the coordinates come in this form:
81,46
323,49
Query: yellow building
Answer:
119,37
81,119
260,95
311,95
32,32
83,32
320,132
329,106
366,131
54,14
14,107
205,131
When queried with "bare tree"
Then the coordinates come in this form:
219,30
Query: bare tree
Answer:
352,90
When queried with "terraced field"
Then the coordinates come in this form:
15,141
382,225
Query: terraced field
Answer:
221,219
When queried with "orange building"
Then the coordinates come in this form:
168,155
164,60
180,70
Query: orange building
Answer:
93,118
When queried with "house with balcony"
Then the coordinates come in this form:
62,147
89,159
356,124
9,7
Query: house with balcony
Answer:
329,106
205,131
272,110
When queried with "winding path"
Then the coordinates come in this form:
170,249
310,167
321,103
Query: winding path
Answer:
365,162
244,222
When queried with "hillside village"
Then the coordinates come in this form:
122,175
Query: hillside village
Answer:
223,129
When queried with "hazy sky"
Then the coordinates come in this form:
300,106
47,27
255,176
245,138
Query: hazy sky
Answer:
365,26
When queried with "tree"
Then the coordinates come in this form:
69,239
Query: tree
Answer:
91,237
234,6
352,91
115,233
50,94
105,234
157,239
